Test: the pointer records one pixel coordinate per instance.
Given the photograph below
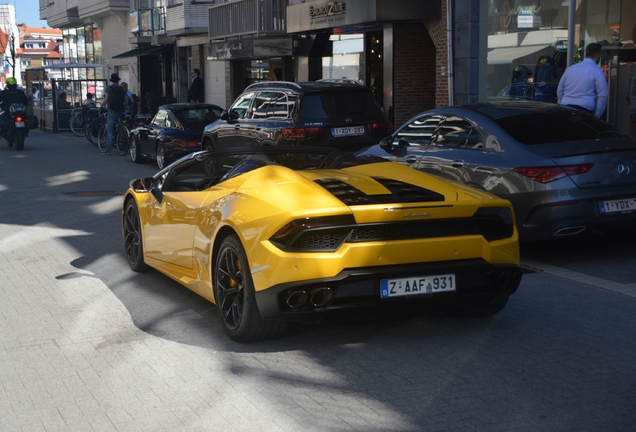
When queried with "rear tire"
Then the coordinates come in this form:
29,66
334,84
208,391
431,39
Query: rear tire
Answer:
88,132
161,156
76,125
19,141
135,152
235,298
123,140
101,139
133,240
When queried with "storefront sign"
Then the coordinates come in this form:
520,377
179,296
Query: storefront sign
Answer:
527,16
332,8
321,14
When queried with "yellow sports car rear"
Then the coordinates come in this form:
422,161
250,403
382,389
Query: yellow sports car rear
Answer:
277,234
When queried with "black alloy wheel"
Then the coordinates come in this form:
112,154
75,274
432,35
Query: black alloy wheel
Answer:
235,299
133,243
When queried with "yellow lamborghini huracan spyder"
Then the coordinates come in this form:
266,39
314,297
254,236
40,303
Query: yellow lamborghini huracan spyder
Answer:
279,234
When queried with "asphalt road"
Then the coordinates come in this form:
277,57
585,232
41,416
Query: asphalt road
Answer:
88,345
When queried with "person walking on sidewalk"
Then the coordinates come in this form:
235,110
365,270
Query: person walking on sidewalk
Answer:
116,99
195,92
583,86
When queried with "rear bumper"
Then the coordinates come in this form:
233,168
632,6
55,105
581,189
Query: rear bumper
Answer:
477,281
568,218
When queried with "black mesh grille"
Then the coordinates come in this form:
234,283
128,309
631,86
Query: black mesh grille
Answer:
423,229
400,192
326,239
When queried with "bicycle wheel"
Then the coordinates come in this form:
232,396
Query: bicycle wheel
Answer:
123,139
76,125
101,139
88,132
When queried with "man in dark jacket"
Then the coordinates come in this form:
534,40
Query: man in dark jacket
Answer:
195,92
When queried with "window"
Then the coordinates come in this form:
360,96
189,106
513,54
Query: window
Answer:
241,106
457,132
159,118
420,131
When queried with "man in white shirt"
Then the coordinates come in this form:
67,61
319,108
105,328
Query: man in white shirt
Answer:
583,85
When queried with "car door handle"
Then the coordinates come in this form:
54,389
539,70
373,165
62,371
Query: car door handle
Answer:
237,127
411,159
457,163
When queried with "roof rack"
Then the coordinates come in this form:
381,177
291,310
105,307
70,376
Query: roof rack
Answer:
283,83
340,80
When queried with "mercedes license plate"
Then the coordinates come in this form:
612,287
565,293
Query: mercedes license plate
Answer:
617,206
417,285
19,124
344,131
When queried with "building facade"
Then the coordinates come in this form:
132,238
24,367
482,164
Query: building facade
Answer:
413,54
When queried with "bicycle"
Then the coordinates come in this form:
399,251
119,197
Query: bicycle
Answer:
80,117
92,127
121,135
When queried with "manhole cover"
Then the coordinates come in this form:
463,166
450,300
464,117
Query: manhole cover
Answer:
86,194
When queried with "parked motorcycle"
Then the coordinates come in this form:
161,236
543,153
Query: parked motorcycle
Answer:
19,124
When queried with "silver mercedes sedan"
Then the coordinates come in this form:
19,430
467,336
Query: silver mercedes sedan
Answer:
565,171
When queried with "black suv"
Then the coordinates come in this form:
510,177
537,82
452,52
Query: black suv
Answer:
333,113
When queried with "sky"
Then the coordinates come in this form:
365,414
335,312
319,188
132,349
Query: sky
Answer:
27,12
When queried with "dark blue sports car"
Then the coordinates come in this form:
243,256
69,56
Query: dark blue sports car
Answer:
173,132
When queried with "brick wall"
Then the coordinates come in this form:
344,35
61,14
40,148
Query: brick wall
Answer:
413,71
439,35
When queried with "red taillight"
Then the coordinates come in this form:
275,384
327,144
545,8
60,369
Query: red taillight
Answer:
382,127
19,119
187,144
548,174
302,132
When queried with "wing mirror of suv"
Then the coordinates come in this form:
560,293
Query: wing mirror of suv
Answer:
229,116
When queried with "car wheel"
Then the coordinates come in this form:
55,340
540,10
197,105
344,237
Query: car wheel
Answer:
133,242
135,152
161,156
235,298
207,145
483,310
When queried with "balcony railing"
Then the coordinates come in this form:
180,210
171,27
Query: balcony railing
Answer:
247,17
148,22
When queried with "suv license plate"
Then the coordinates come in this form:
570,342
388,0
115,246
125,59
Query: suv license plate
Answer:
417,285
616,206
344,131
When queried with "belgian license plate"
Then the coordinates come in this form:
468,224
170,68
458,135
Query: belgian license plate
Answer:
417,285
616,206
19,124
352,130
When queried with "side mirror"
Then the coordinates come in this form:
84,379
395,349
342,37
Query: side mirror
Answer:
142,184
387,143
225,116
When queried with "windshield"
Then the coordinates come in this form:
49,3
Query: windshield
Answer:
556,126
337,105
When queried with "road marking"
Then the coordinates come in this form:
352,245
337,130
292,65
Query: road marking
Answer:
626,289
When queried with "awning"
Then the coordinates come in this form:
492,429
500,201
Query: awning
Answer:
138,52
508,55
68,66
